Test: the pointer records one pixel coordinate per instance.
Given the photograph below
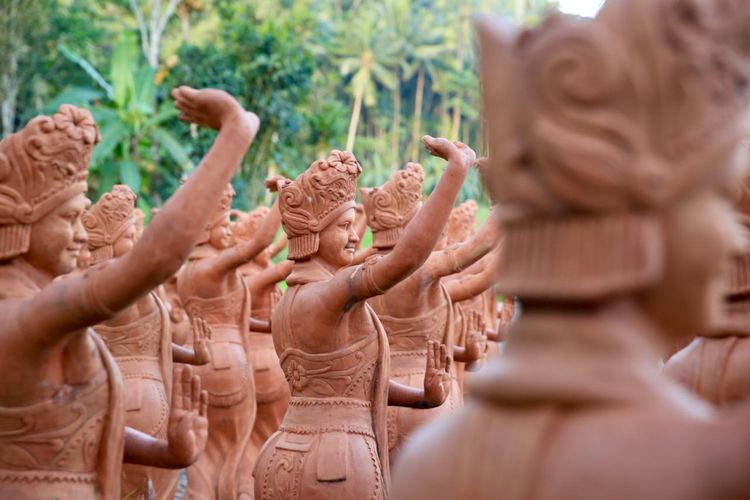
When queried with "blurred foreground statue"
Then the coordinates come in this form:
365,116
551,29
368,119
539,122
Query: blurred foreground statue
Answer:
615,149
332,442
716,365
62,428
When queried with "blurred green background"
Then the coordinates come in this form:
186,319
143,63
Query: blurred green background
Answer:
369,76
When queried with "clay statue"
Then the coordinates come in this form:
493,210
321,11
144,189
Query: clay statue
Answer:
419,309
332,442
139,339
262,278
62,430
211,288
615,146
467,288
714,365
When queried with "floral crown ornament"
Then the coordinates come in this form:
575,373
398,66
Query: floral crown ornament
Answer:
461,222
390,206
594,125
315,199
247,224
41,166
107,220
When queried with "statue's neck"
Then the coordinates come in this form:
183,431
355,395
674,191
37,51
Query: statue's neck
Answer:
37,276
620,329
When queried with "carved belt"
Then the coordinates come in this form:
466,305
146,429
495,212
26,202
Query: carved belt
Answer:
323,415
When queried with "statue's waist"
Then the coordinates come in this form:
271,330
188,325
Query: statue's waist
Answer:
148,367
318,415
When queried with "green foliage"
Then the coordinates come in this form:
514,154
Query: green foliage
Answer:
266,66
131,119
319,74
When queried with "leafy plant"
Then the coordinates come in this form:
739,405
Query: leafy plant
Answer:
132,121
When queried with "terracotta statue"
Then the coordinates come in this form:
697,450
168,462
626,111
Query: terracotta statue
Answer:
467,289
140,340
332,442
714,365
419,309
262,278
211,287
615,146
62,430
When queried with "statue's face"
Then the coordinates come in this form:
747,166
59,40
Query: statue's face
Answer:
338,241
125,242
701,234
221,234
57,238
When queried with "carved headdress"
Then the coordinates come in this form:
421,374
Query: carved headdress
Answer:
107,220
595,125
461,222
315,199
247,224
42,166
390,206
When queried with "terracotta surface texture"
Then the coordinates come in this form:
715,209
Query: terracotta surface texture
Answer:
62,404
332,441
262,278
715,364
617,228
420,309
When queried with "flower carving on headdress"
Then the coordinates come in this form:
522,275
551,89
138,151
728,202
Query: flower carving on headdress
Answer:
77,124
344,162
390,206
315,198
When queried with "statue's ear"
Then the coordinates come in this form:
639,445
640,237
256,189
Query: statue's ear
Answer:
500,74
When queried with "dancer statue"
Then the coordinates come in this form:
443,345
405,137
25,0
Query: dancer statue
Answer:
62,430
332,442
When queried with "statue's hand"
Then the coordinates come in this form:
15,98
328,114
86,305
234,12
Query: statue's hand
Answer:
187,430
476,340
201,337
276,183
450,150
212,108
437,380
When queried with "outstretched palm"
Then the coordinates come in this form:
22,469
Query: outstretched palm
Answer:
437,375
187,431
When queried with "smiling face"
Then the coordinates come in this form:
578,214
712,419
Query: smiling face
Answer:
338,241
57,238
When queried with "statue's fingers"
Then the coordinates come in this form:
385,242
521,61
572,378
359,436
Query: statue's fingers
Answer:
177,387
203,404
195,391
187,390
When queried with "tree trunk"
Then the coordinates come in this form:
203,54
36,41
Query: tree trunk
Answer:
395,127
9,80
352,135
456,120
417,124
